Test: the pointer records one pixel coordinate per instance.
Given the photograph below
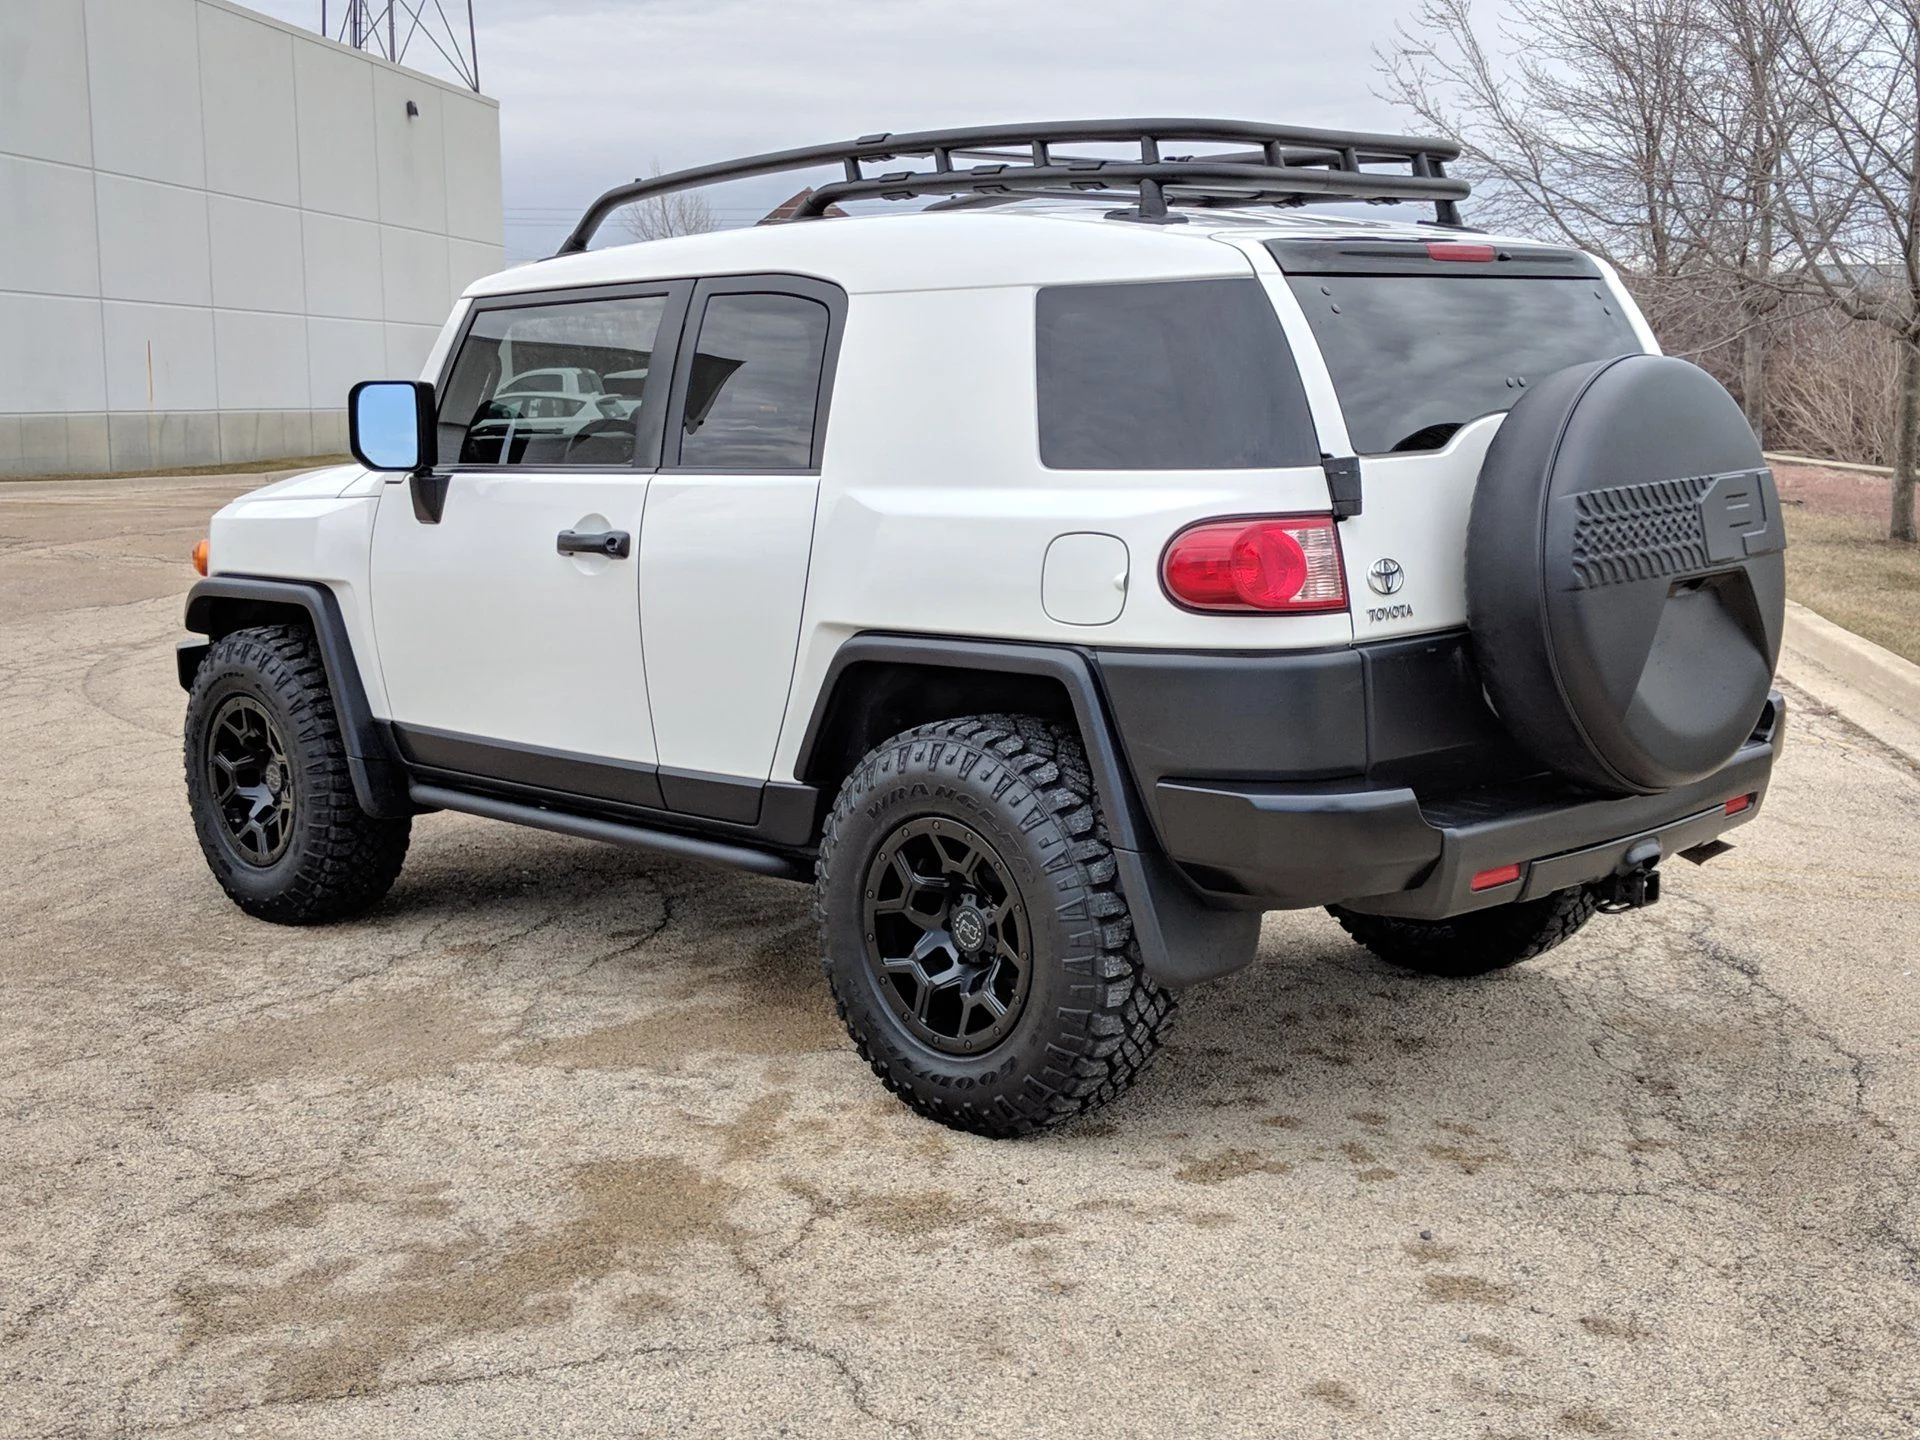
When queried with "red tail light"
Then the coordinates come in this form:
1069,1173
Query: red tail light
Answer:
1495,878
1285,564
1738,803
1460,250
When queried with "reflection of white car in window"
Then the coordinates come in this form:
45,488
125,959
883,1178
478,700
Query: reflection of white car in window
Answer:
1058,578
568,380
515,420
624,388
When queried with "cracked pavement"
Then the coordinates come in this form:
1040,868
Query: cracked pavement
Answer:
565,1140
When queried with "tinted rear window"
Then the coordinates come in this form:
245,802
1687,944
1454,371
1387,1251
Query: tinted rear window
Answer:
1184,375
1415,357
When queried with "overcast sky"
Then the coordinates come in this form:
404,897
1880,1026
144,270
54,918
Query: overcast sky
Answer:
594,92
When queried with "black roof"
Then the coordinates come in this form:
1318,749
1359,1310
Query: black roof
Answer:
1284,165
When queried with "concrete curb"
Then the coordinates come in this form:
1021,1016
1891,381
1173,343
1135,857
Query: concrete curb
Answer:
1809,461
1873,687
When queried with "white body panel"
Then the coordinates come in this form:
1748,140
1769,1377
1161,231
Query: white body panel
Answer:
486,630
932,513
951,537
1416,513
281,533
723,574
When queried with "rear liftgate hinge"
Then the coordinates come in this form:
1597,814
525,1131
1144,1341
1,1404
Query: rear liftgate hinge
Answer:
1343,484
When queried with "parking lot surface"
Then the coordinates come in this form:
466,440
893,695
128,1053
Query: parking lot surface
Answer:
566,1140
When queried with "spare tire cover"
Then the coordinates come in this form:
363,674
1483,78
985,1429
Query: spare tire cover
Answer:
1626,583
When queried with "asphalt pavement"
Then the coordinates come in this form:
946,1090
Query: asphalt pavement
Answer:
565,1140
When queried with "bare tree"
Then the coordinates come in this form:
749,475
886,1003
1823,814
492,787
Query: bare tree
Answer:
683,212
1850,202
1835,388
1742,119
1646,131
1570,111
1746,165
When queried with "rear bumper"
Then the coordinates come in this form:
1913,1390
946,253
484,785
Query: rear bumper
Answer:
1383,850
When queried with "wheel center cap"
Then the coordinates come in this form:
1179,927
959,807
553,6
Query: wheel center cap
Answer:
968,927
273,777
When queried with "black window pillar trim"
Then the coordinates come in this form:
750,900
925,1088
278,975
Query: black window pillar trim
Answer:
1183,938
379,777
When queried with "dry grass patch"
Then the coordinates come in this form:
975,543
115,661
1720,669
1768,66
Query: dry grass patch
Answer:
1843,566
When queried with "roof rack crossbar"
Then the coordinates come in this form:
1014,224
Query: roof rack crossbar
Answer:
1288,165
1257,184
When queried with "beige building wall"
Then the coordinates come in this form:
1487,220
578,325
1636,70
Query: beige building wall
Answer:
213,223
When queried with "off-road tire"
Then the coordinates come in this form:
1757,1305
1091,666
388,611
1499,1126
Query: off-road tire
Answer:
1091,1021
338,861
1476,943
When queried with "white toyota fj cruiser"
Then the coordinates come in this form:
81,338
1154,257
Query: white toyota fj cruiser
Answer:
1058,576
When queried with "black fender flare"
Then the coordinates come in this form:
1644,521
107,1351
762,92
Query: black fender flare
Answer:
379,776
1183,938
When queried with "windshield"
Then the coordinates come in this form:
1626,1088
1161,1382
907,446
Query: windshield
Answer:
1415,357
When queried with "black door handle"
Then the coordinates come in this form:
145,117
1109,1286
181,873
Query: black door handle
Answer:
617,544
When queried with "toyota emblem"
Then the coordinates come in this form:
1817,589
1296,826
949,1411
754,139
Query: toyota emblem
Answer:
1386,577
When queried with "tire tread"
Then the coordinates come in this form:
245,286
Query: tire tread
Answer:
347,859
1476,943
1120,1031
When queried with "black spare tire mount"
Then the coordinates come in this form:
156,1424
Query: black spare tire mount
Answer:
1626,584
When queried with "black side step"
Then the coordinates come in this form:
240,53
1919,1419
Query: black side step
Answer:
613,832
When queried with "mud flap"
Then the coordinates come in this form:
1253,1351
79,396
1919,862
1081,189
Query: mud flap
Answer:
1182,939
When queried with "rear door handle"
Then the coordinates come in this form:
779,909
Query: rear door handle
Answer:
617,544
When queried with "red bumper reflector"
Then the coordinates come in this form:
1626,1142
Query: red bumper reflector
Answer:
1495,878
1739,803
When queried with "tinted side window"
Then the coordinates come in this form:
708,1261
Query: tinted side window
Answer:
754,385
550,385
1183,375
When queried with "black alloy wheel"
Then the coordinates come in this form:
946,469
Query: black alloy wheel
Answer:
974,932
251,780
947,936
270,784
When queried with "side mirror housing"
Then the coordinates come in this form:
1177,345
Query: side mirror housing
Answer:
391,425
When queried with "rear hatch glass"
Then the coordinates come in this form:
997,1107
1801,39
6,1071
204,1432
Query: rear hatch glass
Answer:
1419,347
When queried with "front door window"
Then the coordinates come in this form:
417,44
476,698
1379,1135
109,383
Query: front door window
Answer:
551,386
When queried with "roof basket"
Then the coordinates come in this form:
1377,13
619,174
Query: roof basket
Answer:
1284,165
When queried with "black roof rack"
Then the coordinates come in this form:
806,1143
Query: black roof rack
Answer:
1288,165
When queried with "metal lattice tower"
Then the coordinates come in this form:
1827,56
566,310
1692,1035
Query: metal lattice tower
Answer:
390,28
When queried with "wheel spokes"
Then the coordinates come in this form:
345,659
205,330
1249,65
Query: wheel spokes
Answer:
251,780
926,874
914,885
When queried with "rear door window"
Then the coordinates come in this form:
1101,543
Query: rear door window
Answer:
1179,375
752,391
1416,356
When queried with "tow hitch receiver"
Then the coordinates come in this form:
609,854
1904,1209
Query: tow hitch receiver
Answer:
1636,884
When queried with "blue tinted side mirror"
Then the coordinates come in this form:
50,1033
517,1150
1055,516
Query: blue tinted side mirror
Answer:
390,425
